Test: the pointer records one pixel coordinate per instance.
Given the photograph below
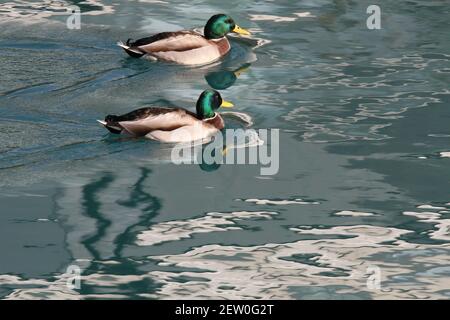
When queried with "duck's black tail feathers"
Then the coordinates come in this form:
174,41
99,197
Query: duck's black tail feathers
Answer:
132,51
111,124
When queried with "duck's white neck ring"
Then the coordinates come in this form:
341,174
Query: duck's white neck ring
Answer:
215,116
218,39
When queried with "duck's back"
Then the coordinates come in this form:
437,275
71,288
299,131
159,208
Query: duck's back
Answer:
183,47
170,41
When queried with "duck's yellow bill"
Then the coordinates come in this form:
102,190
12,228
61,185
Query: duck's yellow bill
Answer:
227,104
240,30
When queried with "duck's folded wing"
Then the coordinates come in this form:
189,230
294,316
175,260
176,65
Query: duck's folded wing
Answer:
170,41
145,120
187,133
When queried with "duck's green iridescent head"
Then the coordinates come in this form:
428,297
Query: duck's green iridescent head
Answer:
208,102
220,25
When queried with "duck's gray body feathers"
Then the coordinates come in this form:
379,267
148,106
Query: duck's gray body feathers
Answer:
182,47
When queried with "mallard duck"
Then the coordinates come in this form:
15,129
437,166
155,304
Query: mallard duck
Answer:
188,47
172,124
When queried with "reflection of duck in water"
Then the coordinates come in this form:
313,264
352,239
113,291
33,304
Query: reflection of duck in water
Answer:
188,47
213,154
172,124
223,79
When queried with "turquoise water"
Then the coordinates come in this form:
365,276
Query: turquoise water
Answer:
364,175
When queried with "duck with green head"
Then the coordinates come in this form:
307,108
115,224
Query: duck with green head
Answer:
172,124
188,47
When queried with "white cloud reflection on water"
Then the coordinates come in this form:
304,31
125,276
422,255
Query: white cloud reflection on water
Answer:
212,222
338,261
33,11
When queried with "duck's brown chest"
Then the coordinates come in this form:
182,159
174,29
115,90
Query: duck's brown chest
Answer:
216,122
223,45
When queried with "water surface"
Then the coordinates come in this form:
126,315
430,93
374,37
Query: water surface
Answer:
364,163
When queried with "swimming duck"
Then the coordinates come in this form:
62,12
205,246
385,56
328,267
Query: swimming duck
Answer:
188,47
172,124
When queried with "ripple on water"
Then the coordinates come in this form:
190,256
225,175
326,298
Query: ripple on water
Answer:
212,222
441,225
33,11
315,73
267,273
338,260
279,202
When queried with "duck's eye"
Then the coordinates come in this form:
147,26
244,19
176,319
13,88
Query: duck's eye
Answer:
217,100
